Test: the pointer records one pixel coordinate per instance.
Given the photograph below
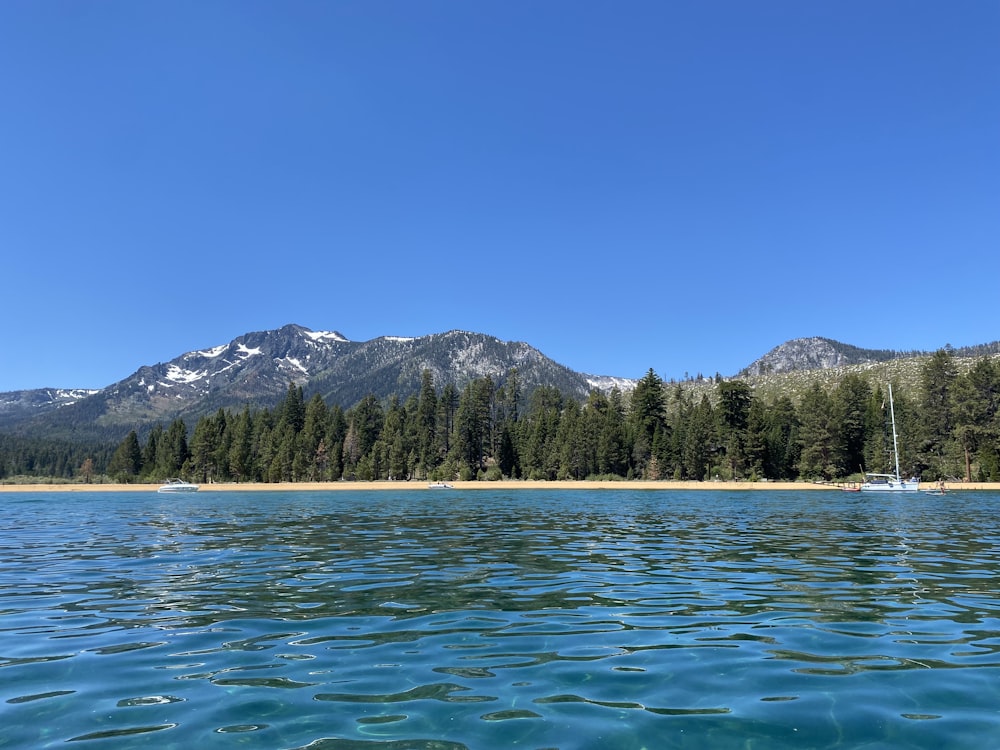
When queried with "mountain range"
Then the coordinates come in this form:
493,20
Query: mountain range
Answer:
256,369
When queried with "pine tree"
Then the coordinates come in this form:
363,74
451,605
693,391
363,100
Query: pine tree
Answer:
975,406
149,468
368,420
817,435
204,445
473,424
937,378
445,421
172,450
337,433
612,447
127,460
425,424
850,401
292,410
393,438
648,416
239,457
540,451
781,440
735,400
507,452
699,441
315,428
570,438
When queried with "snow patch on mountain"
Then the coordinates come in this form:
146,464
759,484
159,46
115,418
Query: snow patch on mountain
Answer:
180,375
214,352
230,365
295,363
71,394
325,336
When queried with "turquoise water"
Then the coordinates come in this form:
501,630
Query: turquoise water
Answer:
490,619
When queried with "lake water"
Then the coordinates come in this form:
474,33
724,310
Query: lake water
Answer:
491,619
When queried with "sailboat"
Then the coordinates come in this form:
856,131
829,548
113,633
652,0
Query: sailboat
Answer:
890,482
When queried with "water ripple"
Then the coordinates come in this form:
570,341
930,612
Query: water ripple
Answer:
542,619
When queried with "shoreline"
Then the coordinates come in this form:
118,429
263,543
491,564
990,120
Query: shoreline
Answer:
663,485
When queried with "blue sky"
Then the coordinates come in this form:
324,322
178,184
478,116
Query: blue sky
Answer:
671,185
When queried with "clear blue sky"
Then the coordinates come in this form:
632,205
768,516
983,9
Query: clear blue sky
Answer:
653,184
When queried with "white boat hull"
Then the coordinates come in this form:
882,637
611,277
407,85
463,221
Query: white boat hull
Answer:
892,485
176,485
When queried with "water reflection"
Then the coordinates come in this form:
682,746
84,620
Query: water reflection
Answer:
566,615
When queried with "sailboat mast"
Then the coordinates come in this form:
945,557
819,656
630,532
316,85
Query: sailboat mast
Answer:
895,448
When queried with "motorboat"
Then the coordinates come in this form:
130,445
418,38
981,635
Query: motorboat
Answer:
439,486
177,485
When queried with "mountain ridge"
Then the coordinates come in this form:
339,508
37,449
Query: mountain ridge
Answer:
819,353
255,369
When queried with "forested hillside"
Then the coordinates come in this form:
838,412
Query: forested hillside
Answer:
947,419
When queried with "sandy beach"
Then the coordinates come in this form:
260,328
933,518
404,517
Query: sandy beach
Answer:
503,485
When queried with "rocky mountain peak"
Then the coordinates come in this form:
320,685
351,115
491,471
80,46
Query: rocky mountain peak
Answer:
814,353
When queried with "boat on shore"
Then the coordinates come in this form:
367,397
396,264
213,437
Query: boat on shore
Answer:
890,482
177,485
439,486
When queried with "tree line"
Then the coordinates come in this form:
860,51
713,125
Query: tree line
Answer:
949,427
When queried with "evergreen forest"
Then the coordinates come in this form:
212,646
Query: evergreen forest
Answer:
948,427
